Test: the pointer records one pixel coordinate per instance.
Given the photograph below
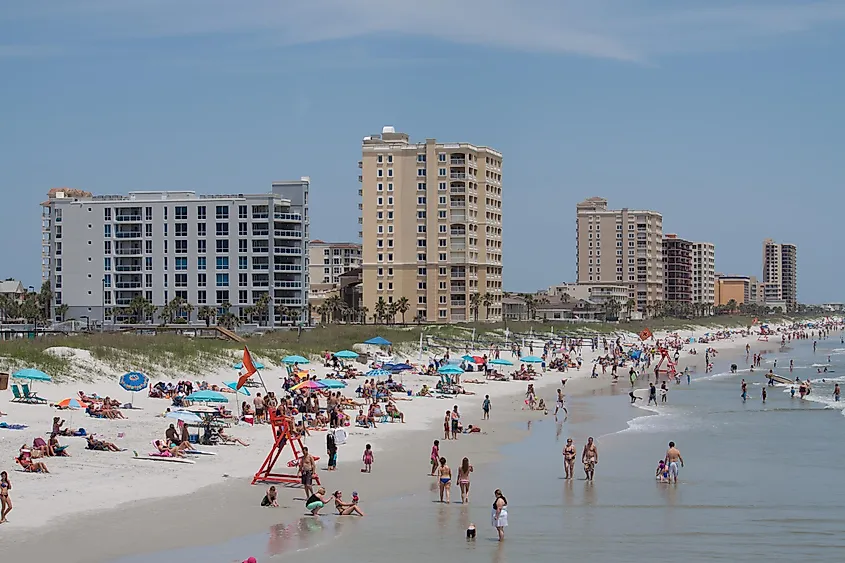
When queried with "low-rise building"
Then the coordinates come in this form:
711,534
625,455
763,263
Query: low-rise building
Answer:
740,289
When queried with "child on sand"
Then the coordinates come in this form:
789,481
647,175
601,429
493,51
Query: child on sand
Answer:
368,459
662,473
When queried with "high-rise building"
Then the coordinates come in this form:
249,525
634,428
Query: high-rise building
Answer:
677,272
780,273
703,273
632,245
431,227
101,252
327,261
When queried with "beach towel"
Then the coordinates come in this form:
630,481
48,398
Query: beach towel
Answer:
12,426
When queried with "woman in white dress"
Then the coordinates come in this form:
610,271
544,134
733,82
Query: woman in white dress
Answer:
499,515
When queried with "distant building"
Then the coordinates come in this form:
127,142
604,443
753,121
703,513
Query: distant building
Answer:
703,273
101,252
620,247
677,271
13,290
431,226
740,289
327,261
597,293
780,273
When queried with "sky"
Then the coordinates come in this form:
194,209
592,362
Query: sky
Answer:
726,116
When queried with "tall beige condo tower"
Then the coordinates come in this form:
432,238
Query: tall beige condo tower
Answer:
703,273
431,227
780,273
620,247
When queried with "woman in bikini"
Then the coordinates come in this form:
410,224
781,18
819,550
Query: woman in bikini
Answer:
444,473
5,500
463,479
345,508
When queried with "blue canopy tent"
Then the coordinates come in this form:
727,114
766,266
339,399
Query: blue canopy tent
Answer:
378,341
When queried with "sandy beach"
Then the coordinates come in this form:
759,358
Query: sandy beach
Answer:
176,504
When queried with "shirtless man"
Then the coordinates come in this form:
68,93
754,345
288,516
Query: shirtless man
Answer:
590,457
673,458
569,459
560,405
307,468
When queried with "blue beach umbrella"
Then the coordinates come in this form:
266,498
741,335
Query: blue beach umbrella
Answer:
346,354
468,358
233,385
295,360
531,360
331,383
378,341
32,374
207,397
184,416
134,381
501,362
450,370
240,365
378,373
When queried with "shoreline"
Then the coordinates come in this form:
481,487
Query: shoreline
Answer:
228,505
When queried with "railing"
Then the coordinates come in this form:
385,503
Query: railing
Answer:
260,249
260,214
127,285
458,303
128,251
287,267
288,301
262,283
458,233
288,285
127,268
458,275
458,176
287,234
458,162
288,217
261,266
454,203
128,218
286,250
132,234
458,190
260,233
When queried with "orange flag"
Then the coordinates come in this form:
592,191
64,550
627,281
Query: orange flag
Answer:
248,368
645,334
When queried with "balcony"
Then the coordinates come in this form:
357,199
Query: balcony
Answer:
260,233
288,285
287,234
457,176
127,268
458,232
289,250
127,285
458,203
458,162
295,217
128,218
457,244
260,214
458,303
261,266
260,249
458,190
260,283
289,301
127,234
458,288
128,251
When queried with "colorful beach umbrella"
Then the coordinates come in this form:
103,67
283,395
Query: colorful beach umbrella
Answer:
71,403
308,384
134,381
184,416
240,365
531,360
501,362
378,373
233,385
295,360
207,397
346,354
450,370
468,358
331,383
32,374
378,341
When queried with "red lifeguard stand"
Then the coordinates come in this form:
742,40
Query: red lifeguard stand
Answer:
669,370
280,426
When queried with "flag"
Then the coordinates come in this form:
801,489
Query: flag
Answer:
645,334
248,370
754,322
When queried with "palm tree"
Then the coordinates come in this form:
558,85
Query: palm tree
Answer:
487,301
530,304
732,306
381,309
363,310
61,310
138,308
188,308
402,307
228,319
207,314
419,318
323,311
474,305
45,298
630,305
392,309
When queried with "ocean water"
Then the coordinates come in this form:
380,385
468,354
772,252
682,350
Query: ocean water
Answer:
761,481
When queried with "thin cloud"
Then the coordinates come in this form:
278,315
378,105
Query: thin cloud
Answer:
632,31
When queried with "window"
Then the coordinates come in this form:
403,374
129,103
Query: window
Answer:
390,257
165,214
390,172
420,228
390,243
442,256
243,246
380,159
201,212
420,172
243,297
421,214
421,157
222,297
165,229
107,264
421,243
201,246
443,200
421,271
222,246
441,214
389,158
107,280
243,281
441,157
380,257
242,230
441,186
180,213
380,201
380,286
222,212
165,246
380,215
201,280
421,257
380,173
201,263
222,229
390,186
442,228
201,297
59,264
148,264
421,285
107,213
181,246
441,172
380,186
222,280
165,263
181,263
441,313
222,263
390,200
380,229
441,243
421,200
107,231
243,263
201,229
242,212
390,215
58,281
180,280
